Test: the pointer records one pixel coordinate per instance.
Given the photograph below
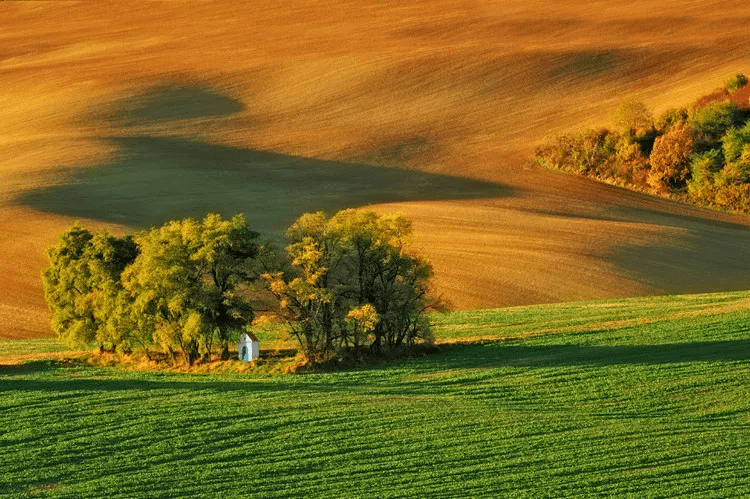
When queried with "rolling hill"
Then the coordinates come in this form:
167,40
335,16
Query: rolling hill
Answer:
642,397
128,116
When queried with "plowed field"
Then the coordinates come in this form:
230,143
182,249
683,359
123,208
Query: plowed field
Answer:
128,115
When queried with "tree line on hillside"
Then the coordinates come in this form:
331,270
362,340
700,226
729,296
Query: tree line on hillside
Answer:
345,284
701,154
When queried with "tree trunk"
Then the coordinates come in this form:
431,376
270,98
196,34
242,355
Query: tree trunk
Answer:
173,355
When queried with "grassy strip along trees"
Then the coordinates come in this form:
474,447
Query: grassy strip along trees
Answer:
345,284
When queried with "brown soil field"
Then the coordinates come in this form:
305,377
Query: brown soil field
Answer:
127,115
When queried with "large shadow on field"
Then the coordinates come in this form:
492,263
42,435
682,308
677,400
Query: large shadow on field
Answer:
164,103
707,256
153,179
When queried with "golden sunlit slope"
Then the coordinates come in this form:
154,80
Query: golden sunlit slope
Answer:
132,114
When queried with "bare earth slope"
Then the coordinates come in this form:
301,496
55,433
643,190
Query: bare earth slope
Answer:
132,115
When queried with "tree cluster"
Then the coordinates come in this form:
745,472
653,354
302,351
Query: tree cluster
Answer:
701,154
345,284
352,284
174,287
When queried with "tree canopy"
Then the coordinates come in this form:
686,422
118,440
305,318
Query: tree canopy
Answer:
175,286
184,283
347,283
699,154
352,284
670,159
82,285
632,115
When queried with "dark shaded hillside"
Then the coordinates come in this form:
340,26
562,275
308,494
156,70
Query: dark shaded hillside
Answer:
155,179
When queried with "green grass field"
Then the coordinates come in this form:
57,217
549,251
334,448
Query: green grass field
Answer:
10,348
632,398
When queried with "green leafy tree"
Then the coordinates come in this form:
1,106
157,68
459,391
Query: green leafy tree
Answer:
67,287
387,276
734,141
632,116
738,171
361,321
164,284
671,117
109,256
184,283
703,168
83,288
228,249
352,284
736,82
712,121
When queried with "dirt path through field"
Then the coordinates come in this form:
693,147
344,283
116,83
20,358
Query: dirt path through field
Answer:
128,115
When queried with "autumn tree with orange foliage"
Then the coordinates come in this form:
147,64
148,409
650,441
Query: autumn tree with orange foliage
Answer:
699,154
670,159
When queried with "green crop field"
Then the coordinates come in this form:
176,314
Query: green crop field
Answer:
36,345
631,398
